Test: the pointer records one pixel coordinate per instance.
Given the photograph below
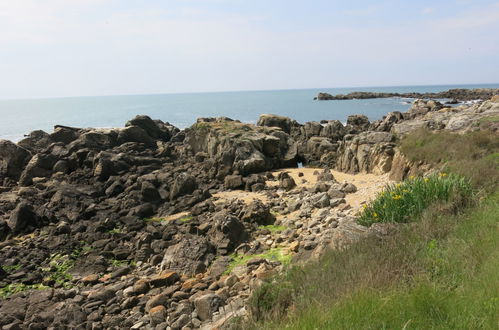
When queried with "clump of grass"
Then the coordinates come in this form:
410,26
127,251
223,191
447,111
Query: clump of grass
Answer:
59,266
273,228
406,201
13,288
186,218
116,230
11,268
154,219
121,263
275,254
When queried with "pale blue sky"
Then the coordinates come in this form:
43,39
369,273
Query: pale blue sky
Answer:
54,48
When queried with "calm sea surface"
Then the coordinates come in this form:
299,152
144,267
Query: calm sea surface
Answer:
18,117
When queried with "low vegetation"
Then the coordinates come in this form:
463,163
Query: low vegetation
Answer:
275,254
436,270
474,155
406,201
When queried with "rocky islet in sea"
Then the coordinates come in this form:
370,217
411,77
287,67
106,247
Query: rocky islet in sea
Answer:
152,227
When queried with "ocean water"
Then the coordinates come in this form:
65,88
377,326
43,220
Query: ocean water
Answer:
19,117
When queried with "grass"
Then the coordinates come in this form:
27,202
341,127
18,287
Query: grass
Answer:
273,228
59,266
13,288
275,254
437,270
469,155
11,268
121,263
440,272
406,201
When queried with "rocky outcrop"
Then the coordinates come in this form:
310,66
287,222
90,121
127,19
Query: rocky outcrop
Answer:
370,152
458,94
12,160
240,147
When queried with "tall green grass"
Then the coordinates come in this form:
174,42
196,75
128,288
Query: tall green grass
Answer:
403,202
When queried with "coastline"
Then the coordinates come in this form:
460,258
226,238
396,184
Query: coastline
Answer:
124,226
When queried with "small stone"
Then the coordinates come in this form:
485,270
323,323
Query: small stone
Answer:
141,286
294,246
164,279
157,300
158,314
231,280
90,279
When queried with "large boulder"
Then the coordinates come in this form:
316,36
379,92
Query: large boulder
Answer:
227,233
257,212
206,305
154,128
13,159
22,217
36,141
284,123
183,184
191,256
370,152
40,165
242,147
333,130
357,124
135,134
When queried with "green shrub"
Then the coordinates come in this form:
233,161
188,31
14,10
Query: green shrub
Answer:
405,201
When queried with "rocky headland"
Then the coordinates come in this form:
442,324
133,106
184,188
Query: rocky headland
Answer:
153,227
455,95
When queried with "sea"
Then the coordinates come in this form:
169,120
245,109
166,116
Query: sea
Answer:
19,117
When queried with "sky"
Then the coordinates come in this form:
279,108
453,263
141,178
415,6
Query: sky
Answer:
59,48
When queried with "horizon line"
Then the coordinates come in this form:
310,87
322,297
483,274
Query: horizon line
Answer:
238,91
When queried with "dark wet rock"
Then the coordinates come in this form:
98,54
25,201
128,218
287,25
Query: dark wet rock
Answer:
257,212
22,217
135,134
12,160
228,232
286,182
233,182
184,184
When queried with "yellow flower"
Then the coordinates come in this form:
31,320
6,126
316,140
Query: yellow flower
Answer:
411,177
375,214
396,197
398,185
442,175
426,179
405,190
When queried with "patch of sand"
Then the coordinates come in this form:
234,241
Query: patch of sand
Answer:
245,196
368,185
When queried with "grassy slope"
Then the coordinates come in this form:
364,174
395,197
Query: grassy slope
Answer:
439,272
